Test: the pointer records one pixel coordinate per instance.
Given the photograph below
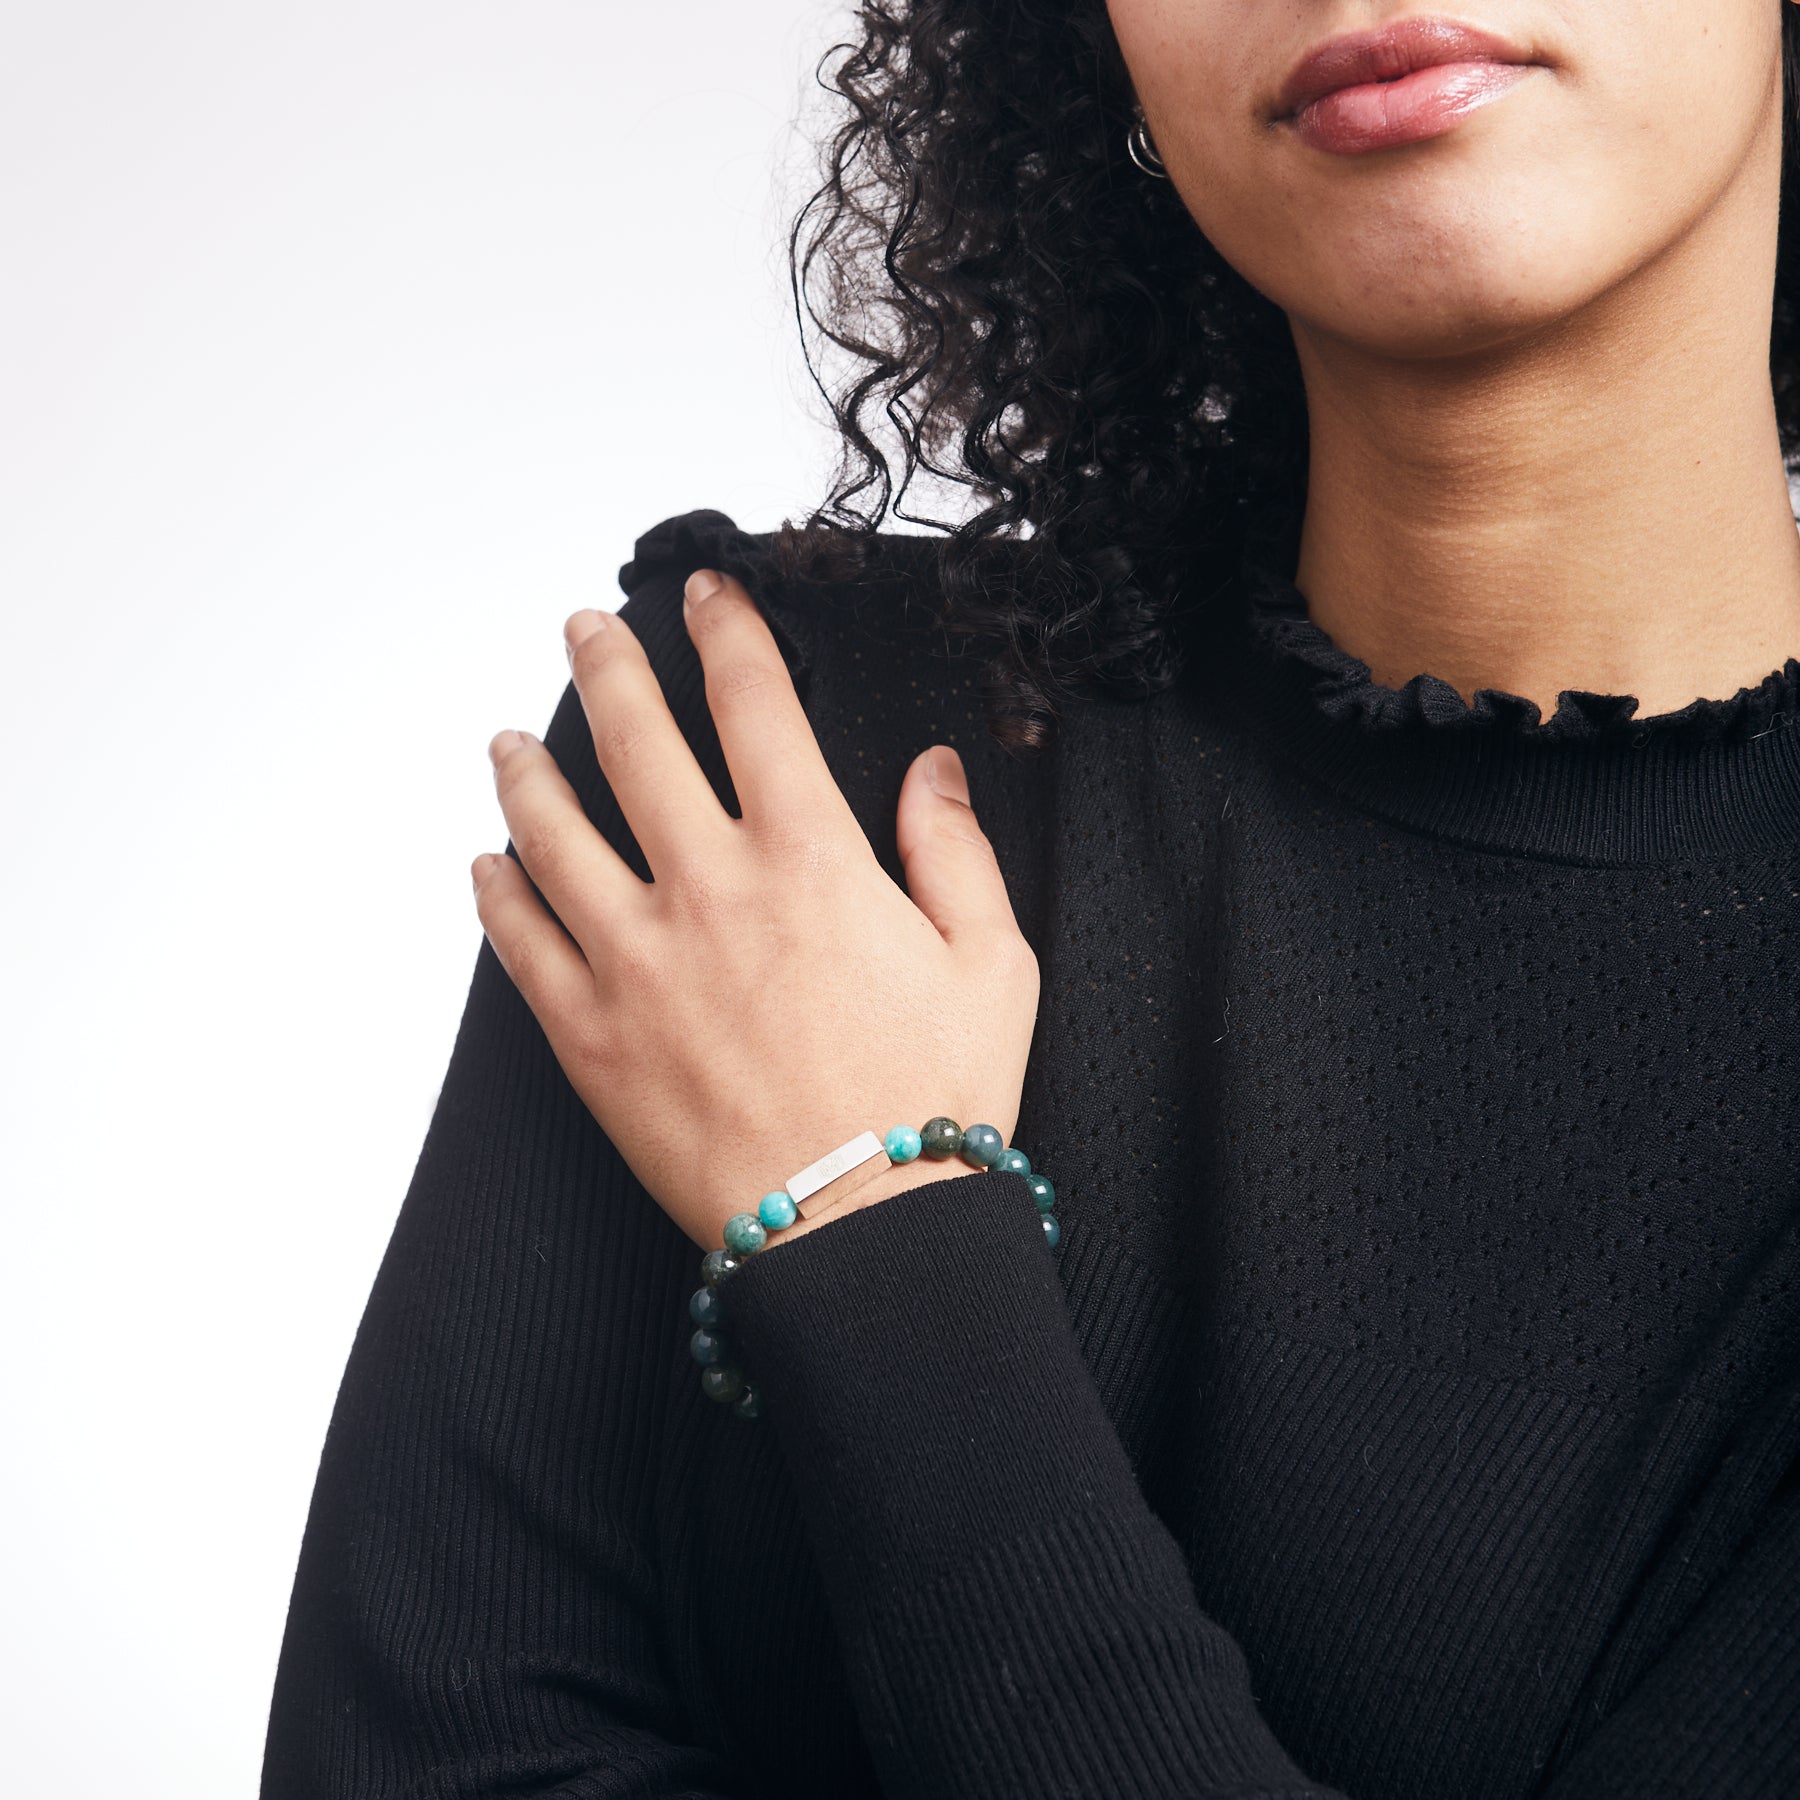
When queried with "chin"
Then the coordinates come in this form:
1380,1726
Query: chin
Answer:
1464,311
1418,286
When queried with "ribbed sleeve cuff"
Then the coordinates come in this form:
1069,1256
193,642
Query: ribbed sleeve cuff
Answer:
916,1359
990,1560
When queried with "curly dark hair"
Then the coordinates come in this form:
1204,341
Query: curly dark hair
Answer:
1045,327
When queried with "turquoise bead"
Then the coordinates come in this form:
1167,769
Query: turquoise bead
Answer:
749,1403
1013,1162
777,1210
707,1347
981,1145
941,1137
744,1234
902,1144
706,1308
715,1265
1052,1230
1041,1191
723,1381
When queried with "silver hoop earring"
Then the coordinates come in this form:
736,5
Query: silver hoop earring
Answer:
1140,147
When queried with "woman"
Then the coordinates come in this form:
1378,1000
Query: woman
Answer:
1372,665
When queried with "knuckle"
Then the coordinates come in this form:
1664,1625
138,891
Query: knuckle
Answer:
618,737
540,844
731,682
712,893
798,844
595,1037
958,826
594,654
634,964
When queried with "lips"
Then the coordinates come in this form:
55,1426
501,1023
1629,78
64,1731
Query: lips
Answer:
1414,79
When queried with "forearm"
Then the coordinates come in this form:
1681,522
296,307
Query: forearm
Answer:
1015,1617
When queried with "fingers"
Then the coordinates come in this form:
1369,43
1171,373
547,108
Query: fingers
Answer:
662,791
775,762
582,876
951,871
543,961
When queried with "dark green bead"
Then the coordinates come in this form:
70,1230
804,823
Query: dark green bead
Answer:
981,1145
749,1403
723,1381
745,1234
1041,1191
1052,1230
1012,1162
707,1347
715,1265
706,1308
941,1138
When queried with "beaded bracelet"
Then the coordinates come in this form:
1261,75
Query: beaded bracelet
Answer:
721,1377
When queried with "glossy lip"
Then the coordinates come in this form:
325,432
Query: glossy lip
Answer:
1386,54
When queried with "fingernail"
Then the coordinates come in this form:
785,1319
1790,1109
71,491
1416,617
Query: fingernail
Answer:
944,770
484,866
503,743
702,585
580,628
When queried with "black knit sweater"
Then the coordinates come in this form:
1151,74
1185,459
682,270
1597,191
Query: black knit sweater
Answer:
1411,1410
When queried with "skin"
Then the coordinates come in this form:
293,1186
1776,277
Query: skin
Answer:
1544,457
1535,349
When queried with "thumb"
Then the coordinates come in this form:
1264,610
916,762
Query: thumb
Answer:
951,871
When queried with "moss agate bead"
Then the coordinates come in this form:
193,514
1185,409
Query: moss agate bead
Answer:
902,1144
941,1138
715,1265
744,1234
1012,1162
1041,1191
748,1404
1052,1230
722,1382
982,1145
706,1308
707,1348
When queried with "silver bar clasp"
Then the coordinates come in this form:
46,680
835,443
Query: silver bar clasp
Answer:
859,1150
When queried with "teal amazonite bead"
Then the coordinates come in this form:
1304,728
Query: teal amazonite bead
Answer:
749,1403
1012,1162
715,1265
1041,1191
707,1347
1052,1230
723,1381
941,1138
982,1145
902,1144
777,1210
744,1234
705,1308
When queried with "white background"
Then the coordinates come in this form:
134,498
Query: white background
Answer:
344,350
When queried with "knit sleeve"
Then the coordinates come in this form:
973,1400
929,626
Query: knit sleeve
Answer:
477,1610
1016,1618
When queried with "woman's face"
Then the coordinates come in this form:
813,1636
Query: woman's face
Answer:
1538,154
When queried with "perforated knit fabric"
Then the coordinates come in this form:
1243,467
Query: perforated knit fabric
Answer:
1411,1412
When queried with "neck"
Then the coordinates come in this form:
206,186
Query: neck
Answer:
1602,507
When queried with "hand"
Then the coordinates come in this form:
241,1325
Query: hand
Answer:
771,992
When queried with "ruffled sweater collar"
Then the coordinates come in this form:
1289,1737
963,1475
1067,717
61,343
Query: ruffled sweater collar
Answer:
1591,784
1344,689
